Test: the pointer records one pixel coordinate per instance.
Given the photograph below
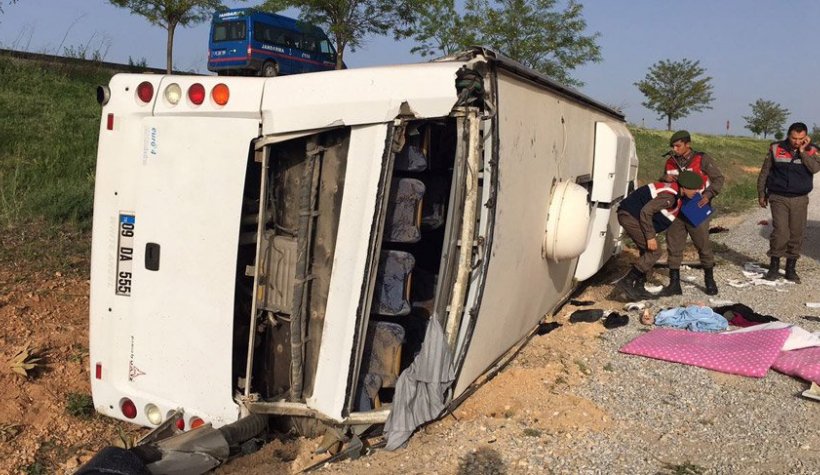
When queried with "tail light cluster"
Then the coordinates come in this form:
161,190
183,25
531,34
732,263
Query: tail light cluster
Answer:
220,94
154,415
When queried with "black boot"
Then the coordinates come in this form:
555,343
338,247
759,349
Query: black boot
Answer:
631,287
674,283
791,273
774,269
709,280
641,285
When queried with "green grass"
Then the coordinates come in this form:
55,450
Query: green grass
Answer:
49,122
739,158
79,405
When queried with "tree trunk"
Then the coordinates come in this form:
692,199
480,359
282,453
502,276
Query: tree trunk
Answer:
669,122
340,51
169,52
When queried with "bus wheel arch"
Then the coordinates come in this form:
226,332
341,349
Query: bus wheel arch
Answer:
269,69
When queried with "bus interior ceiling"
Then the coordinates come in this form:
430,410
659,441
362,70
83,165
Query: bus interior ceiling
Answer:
303,199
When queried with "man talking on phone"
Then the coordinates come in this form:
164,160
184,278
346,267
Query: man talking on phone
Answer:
784,182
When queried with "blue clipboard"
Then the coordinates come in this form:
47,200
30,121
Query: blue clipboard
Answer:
693,213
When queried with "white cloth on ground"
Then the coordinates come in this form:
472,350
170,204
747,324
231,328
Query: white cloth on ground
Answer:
798,339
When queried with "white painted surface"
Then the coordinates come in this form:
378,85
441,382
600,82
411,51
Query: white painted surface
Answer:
613,147
357,96
567,223
604,237
183,180
243,102
542,137
364,161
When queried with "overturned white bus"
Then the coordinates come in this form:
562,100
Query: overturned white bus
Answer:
279,245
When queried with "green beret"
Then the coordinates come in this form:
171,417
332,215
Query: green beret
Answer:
679,135
690,180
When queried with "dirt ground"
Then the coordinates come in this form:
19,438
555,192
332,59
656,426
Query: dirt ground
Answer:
44,429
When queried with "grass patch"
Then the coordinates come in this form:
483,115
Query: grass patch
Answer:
35,468
529,432
79,405
39,246
49,122
739,158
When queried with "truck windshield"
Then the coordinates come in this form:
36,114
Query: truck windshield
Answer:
229,31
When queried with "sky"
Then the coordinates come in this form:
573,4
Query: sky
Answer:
751,48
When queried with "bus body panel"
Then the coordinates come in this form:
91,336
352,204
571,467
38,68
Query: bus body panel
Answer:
180,175
349,264
169,342
357,96
542,138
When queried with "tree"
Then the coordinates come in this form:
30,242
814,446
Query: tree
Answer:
11,2
675,89
438,29
815,132
767,117
169,14
349,22
532,32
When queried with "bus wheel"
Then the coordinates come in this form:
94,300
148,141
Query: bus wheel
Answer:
269,69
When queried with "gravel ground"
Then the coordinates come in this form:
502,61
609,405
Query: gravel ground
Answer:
570,403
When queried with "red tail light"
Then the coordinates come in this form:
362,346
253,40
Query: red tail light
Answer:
98,366
181,424
128,408
145,91
196,422
110,122
196,93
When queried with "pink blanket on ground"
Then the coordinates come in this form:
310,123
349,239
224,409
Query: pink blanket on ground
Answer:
804,364
746,354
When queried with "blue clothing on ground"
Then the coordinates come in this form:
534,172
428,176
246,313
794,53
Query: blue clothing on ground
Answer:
693,317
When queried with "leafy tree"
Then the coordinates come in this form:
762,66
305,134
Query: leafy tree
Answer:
438,29
675,89
767,117
169,14
349,22
815,132
533,32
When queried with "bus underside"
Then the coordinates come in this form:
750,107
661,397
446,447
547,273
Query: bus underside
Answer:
293,195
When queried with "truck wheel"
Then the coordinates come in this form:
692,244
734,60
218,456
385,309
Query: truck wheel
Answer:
269,70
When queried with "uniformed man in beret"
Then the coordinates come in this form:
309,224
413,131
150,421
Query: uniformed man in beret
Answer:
785,181
683,158
646,212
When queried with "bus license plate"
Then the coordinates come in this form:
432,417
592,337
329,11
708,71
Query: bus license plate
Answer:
125,255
